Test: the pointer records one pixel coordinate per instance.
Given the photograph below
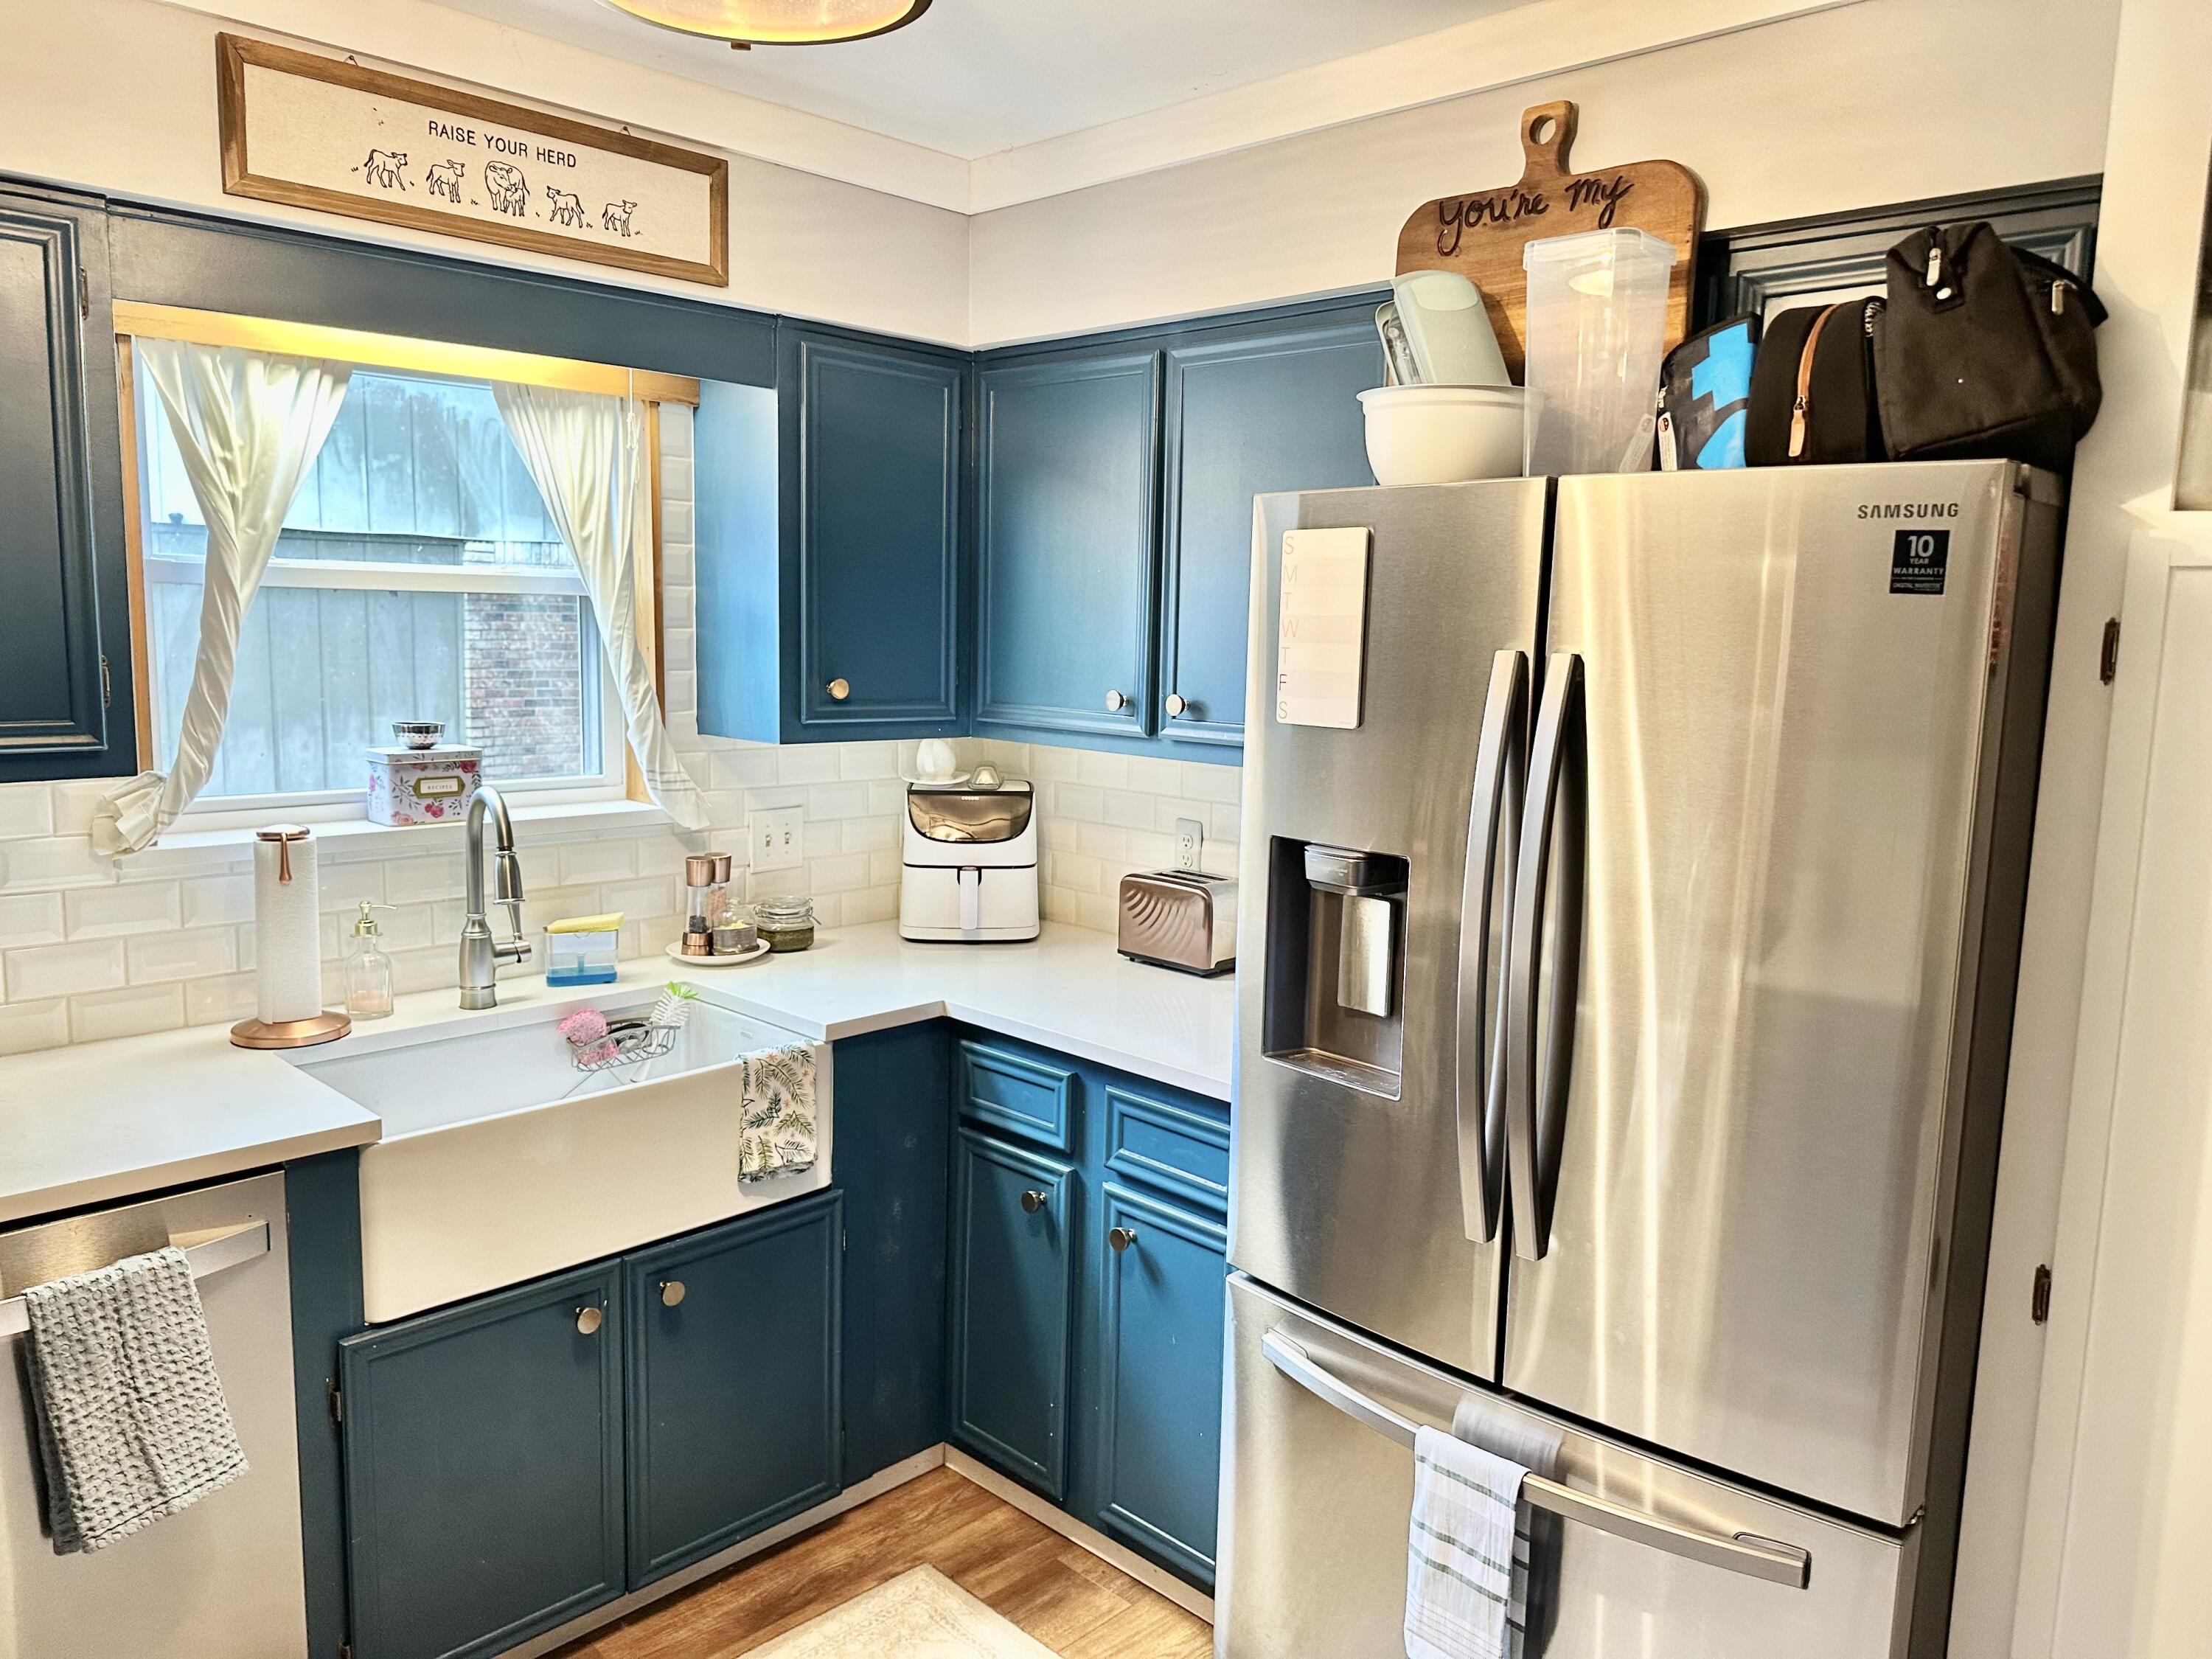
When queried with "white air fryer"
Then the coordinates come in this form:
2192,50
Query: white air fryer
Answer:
971,863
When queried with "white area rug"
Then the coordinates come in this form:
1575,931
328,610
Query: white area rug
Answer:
920,1615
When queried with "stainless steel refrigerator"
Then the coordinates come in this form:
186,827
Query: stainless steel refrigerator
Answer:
1634,867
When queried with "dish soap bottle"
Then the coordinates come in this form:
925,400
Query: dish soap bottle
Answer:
368,968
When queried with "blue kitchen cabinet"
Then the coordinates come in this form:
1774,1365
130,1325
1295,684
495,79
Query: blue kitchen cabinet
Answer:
1067,579
830,533
61,535
732,1355
1160,1309
1250,410
483,1468
1014,1230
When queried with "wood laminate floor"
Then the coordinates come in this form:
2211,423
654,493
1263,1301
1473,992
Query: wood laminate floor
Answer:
1059,1592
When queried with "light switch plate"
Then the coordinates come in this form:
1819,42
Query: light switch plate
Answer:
778,838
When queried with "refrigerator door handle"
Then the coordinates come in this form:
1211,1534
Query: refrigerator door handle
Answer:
1493,820
1745,1552
1553,814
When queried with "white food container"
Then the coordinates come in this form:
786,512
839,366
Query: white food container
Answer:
422,786
1429,434
1597,331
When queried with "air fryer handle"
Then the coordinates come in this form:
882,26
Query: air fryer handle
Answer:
1492,824
1537,1086
971,898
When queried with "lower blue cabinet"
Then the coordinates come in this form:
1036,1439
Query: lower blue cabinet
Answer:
483,1456
1013,1302
1161,1309
733,1381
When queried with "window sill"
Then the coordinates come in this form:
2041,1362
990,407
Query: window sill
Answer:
357,838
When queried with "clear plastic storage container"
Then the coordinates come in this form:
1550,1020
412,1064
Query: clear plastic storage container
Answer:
1596,330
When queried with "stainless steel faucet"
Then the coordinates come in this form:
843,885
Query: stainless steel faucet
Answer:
481,954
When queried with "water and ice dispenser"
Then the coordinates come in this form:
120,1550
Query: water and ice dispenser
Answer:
1336,960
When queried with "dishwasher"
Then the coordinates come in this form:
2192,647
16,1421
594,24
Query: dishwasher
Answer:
223,1579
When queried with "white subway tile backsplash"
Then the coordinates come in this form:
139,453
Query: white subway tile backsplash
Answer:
1127,810
134,907
211,899
598,860
27,810
224,1000
60,970
749,768
27,1025
99,1015
74,801
865,761
812,764
181,953
837,800
30,918
1201,781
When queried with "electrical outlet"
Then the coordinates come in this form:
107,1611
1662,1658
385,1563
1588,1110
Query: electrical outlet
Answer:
1190,841
779,839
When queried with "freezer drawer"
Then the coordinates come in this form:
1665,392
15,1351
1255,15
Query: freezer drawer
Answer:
1664,1563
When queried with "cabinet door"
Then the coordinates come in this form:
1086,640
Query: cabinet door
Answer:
874,437
733,1419
1069,470
1249,411
57,377
483,1455
1161,1306
1013,1267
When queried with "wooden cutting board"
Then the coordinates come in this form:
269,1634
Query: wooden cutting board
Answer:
1481,235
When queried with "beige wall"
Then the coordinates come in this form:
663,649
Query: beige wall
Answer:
118,95
1888,101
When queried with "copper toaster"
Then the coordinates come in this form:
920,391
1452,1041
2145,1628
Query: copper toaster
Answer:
1179,919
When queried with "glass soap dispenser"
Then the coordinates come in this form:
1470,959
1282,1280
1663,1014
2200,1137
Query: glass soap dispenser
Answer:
368,968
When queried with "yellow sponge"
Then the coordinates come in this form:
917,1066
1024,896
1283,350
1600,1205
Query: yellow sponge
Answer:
606,924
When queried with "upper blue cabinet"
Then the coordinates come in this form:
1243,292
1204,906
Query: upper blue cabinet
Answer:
1115,485
61,542
1250,410
1068,480
830,530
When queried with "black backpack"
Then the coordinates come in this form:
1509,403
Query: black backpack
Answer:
1813,388
1986,350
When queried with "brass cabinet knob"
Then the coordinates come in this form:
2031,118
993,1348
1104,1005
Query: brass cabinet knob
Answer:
671,1292
1176,706
1116,702
588,1321
1120,1238
840,689
1032,1201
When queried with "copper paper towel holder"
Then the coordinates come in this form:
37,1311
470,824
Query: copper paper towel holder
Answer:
325,1027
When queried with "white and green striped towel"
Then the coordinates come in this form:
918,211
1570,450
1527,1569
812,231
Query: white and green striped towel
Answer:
777,1135
1459,1550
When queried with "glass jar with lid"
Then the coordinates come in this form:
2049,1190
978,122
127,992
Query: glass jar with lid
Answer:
785,921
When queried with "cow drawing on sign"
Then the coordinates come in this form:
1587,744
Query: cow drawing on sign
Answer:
445,179
566,207
383,169
508,189
615,216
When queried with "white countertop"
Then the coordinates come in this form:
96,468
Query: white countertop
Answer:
96,1123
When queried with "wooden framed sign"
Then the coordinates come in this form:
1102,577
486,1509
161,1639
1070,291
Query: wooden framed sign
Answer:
319,133
1481,235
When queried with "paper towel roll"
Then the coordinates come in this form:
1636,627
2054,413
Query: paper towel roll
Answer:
287,952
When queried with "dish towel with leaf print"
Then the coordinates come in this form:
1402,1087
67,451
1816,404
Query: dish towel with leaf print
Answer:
777,1136
1459,1550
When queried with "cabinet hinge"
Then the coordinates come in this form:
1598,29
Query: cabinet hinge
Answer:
107,685
338,1402
2108,654
83,294
2038,1298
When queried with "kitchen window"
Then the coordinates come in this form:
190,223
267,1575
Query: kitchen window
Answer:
419,575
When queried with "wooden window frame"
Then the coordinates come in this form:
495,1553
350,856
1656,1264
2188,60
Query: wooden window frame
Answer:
134,319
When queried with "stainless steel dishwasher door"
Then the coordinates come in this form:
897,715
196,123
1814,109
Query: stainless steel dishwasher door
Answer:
224,1580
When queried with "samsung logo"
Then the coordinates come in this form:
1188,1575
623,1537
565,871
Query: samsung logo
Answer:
1908,509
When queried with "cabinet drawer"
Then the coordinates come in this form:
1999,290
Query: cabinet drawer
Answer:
1178,1148
1017,1093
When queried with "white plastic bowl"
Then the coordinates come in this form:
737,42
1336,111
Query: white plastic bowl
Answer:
1429,434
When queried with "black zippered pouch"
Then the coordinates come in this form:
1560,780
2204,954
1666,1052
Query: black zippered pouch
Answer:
1812,398
1704,397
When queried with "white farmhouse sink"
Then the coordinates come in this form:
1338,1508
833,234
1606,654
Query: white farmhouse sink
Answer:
500,1161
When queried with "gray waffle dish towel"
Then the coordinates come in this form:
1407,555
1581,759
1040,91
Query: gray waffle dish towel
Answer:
132,1424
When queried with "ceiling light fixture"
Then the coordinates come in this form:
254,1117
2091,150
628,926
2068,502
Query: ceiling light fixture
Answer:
749,23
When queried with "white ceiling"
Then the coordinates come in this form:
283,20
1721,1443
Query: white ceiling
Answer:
975,77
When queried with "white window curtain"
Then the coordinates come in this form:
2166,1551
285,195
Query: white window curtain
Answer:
249,424
586,451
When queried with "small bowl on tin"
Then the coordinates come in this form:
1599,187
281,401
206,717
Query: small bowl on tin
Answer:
418,734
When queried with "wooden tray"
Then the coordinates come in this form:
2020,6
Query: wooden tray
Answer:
1481,235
